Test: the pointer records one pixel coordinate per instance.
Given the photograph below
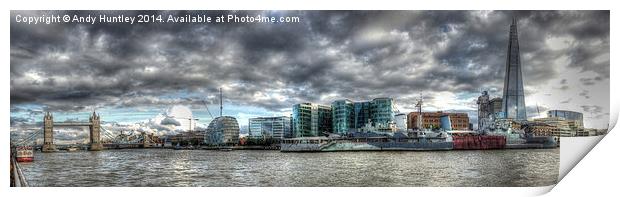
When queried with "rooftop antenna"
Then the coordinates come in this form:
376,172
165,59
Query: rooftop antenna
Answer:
221,106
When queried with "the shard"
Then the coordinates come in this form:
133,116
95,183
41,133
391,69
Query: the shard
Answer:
513,104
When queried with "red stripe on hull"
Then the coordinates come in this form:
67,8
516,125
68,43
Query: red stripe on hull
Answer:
25,159
478,142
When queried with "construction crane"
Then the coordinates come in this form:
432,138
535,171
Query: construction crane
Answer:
190,121
207,107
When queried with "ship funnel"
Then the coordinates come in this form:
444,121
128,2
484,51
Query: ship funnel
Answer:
446,124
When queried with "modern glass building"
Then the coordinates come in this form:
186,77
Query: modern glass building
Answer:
382,112
567,115
495,107
513,105
362,113
348,116
343,116
223,130
311,120
270,127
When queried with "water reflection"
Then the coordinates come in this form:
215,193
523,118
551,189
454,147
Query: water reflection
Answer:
154,167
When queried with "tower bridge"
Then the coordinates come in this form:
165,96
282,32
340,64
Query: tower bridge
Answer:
96,142
93,124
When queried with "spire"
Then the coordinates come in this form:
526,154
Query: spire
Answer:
95,115
513,98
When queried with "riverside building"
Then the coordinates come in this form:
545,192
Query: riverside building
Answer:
564,128
269,127
349,116
432,120
343,116
567,115
311,120
223,130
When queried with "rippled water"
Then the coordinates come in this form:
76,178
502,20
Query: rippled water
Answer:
164,167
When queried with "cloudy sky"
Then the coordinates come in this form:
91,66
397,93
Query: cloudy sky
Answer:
131,73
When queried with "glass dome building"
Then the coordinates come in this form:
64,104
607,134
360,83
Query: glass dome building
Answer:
223,130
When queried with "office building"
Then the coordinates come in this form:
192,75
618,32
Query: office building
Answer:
311,120
348,116
495,107
568,115
564,128
362,113
343,116
223,130
432,120
269,127
382,112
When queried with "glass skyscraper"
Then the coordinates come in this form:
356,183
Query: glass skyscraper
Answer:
513,106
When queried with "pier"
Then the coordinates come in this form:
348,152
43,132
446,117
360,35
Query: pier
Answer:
17,176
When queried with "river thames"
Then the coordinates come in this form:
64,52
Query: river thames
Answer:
165,167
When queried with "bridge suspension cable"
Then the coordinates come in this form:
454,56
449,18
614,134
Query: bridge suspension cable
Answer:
109,135
30,138
130,138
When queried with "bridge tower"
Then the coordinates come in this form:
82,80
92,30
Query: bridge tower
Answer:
146,140
95,131
48,133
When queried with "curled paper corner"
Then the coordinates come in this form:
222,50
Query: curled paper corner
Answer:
574,149
542,190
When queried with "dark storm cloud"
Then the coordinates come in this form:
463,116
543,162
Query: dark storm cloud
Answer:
594,109
566,101
328,55
563,88
590,81
585,94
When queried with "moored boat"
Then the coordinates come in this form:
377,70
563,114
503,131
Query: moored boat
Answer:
72,149
370,141
24,154
469,140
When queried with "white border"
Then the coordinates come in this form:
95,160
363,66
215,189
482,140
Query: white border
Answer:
596,175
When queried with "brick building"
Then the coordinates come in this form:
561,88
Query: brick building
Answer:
460,121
